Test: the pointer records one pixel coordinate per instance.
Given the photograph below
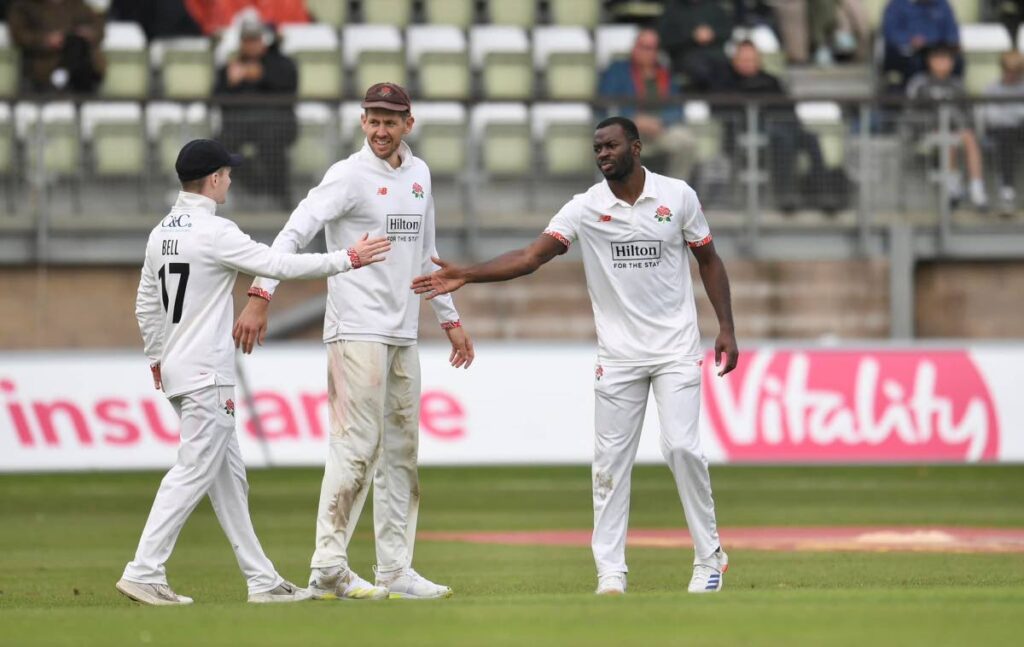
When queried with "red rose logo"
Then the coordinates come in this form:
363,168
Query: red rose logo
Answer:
605,218
417,190
599,372
663,214
884,406
382,191
229,408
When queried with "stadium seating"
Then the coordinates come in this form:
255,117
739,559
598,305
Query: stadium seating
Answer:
313,151
502,54
331,12
825,119
397,13
584,13
502,132
440,54
450,12
566,132
315,51
374,54
707,131
8,64
55,127
116,133
612,43
566,55
127,76
967,11
519,14
439,137
352,137
185,66
169,126
982,44
6,141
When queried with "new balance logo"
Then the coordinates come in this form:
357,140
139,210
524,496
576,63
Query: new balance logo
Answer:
636,250
403,223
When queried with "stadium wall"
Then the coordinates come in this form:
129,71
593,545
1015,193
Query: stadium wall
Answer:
527,403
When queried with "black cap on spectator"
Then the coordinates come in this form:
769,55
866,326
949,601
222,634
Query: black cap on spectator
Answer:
201,157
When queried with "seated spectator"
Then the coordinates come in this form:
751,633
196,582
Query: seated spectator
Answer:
158,18
214,16
261,131
694,33
829,28
786,136
938,85
910,28
60,45
644,83
1004,124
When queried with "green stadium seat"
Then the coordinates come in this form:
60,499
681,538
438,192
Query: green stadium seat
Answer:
57,125
116,133
127,76
169,126
374,54
314,48
518,13
982,46
6,140
450,12
967,11
185,66
397,13
313,151
502,54
706,130
565,132
566,55
875,9
350,124
330,12
768,45
613,43
9,66
502,132
825,119
439,137
583,13
440,55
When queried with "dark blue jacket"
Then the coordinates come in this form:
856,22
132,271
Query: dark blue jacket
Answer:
933,19
617,82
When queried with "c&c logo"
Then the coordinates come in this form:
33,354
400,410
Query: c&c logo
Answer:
180,221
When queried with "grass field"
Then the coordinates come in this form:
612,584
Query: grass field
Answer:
65,538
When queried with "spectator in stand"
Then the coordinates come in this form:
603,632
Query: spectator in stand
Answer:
1004,124
938,85
910,28
645,83
214,16
158,18
694,33
786,136
831,28
60,45
261,131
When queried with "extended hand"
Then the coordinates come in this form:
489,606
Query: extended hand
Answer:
447,279
251,327
370,250
462,347
726,343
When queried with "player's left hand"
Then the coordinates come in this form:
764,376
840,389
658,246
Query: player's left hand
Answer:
462,347
158,381
447,279
726,343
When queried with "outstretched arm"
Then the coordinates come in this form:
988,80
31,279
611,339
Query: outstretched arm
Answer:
510,265
716,284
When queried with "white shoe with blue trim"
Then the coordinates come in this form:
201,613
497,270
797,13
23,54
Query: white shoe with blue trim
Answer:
709,574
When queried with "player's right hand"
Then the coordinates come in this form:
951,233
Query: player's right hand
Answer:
371,250
251,328
447,279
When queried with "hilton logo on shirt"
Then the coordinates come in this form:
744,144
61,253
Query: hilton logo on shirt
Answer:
632,254
403,226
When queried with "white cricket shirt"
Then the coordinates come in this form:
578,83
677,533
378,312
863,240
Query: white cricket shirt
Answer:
638,272
364,194
184,305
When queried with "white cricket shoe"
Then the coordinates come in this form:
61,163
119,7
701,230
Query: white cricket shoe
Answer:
283,592
708,575
159,595
408,584
611,584
336,583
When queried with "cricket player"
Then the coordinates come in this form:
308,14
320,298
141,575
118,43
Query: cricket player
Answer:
184,309
633,229
370,330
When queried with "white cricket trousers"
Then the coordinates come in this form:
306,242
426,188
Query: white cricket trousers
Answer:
209,462
374,393
621,400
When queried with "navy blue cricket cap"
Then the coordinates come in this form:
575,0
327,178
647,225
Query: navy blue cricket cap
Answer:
201,157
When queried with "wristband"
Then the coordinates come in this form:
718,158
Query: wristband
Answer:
259,292
448,325
353,257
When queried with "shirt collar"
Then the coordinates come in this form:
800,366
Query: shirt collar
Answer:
195,201
404,152
648,191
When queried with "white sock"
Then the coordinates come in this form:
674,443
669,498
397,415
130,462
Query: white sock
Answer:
978,195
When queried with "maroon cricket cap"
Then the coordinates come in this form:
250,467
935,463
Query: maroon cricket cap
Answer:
389,96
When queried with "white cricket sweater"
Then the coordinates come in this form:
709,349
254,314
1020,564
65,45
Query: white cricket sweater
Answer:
364,194
184,304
